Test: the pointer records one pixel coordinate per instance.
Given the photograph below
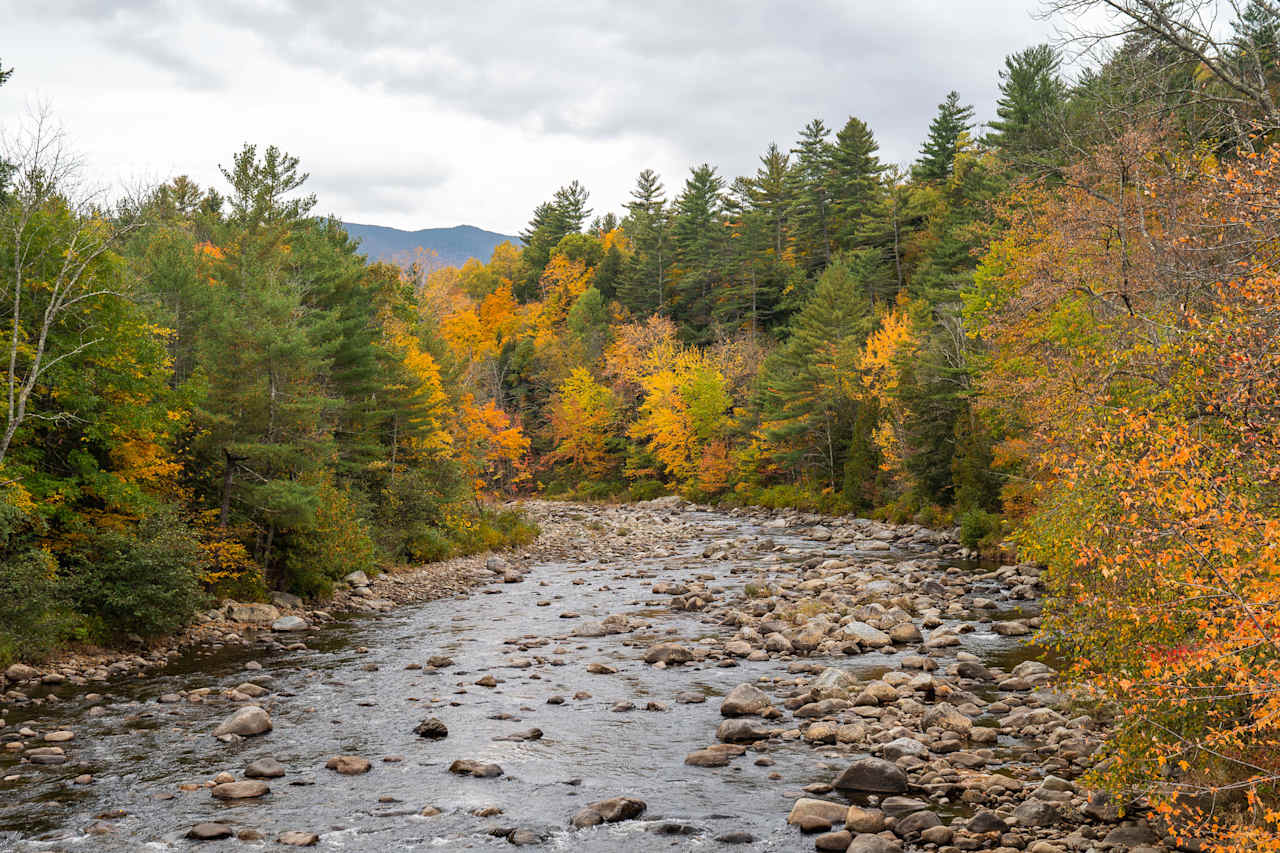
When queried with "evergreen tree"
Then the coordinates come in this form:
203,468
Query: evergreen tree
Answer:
953,121
806,406
551,222
855,182
811,196
769,193
1032,97
698,236
754,274
644,282
1257,41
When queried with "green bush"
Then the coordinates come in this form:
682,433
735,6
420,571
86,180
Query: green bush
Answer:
31,618
31,623
646,490
976,526
335,543
410,517
142,581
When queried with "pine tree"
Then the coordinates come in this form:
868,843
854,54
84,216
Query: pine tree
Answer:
1257,41
855,182
1032,97
945,131
811,196
807,405
754,273
770,194
551,222
698,236
645,279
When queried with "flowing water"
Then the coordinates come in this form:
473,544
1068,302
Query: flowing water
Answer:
350,692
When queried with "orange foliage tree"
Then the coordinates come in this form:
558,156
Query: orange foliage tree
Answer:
1134,358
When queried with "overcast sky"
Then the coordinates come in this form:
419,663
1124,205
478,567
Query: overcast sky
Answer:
418,115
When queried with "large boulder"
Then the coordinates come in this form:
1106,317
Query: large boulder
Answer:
872,775
252,613
867,636
348,765
868,843
247,722
914,824
608,811
743,700
807,807
264,768
432,728
738,730
290,623
668,653
945,716
245,790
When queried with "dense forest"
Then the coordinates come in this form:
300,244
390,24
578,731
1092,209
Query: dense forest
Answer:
1057,331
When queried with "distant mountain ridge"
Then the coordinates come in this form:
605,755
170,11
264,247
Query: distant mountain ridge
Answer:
453,246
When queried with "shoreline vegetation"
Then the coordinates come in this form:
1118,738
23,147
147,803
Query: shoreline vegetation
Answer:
1058,331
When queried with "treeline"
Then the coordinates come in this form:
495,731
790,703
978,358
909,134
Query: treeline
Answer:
795,336
209,393
1059,332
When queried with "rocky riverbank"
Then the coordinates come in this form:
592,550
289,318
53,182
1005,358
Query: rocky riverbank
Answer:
867,688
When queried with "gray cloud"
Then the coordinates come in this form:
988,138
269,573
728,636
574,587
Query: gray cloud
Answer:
693,82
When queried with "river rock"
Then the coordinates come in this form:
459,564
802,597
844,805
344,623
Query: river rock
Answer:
61,736
357,578
807,807
904,633
21,672
866,635
247,722
1010,629
478,769
1036,813
608,811
708,758
253,691
873,775
348,765
736,837
299,839
860,819
290,623
916,823
209,831
253,613
838,840
984,822
285,599
264,768
527,734
743,700
244,790
431,728
739,730
868,843
668,653
945,716
895,749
